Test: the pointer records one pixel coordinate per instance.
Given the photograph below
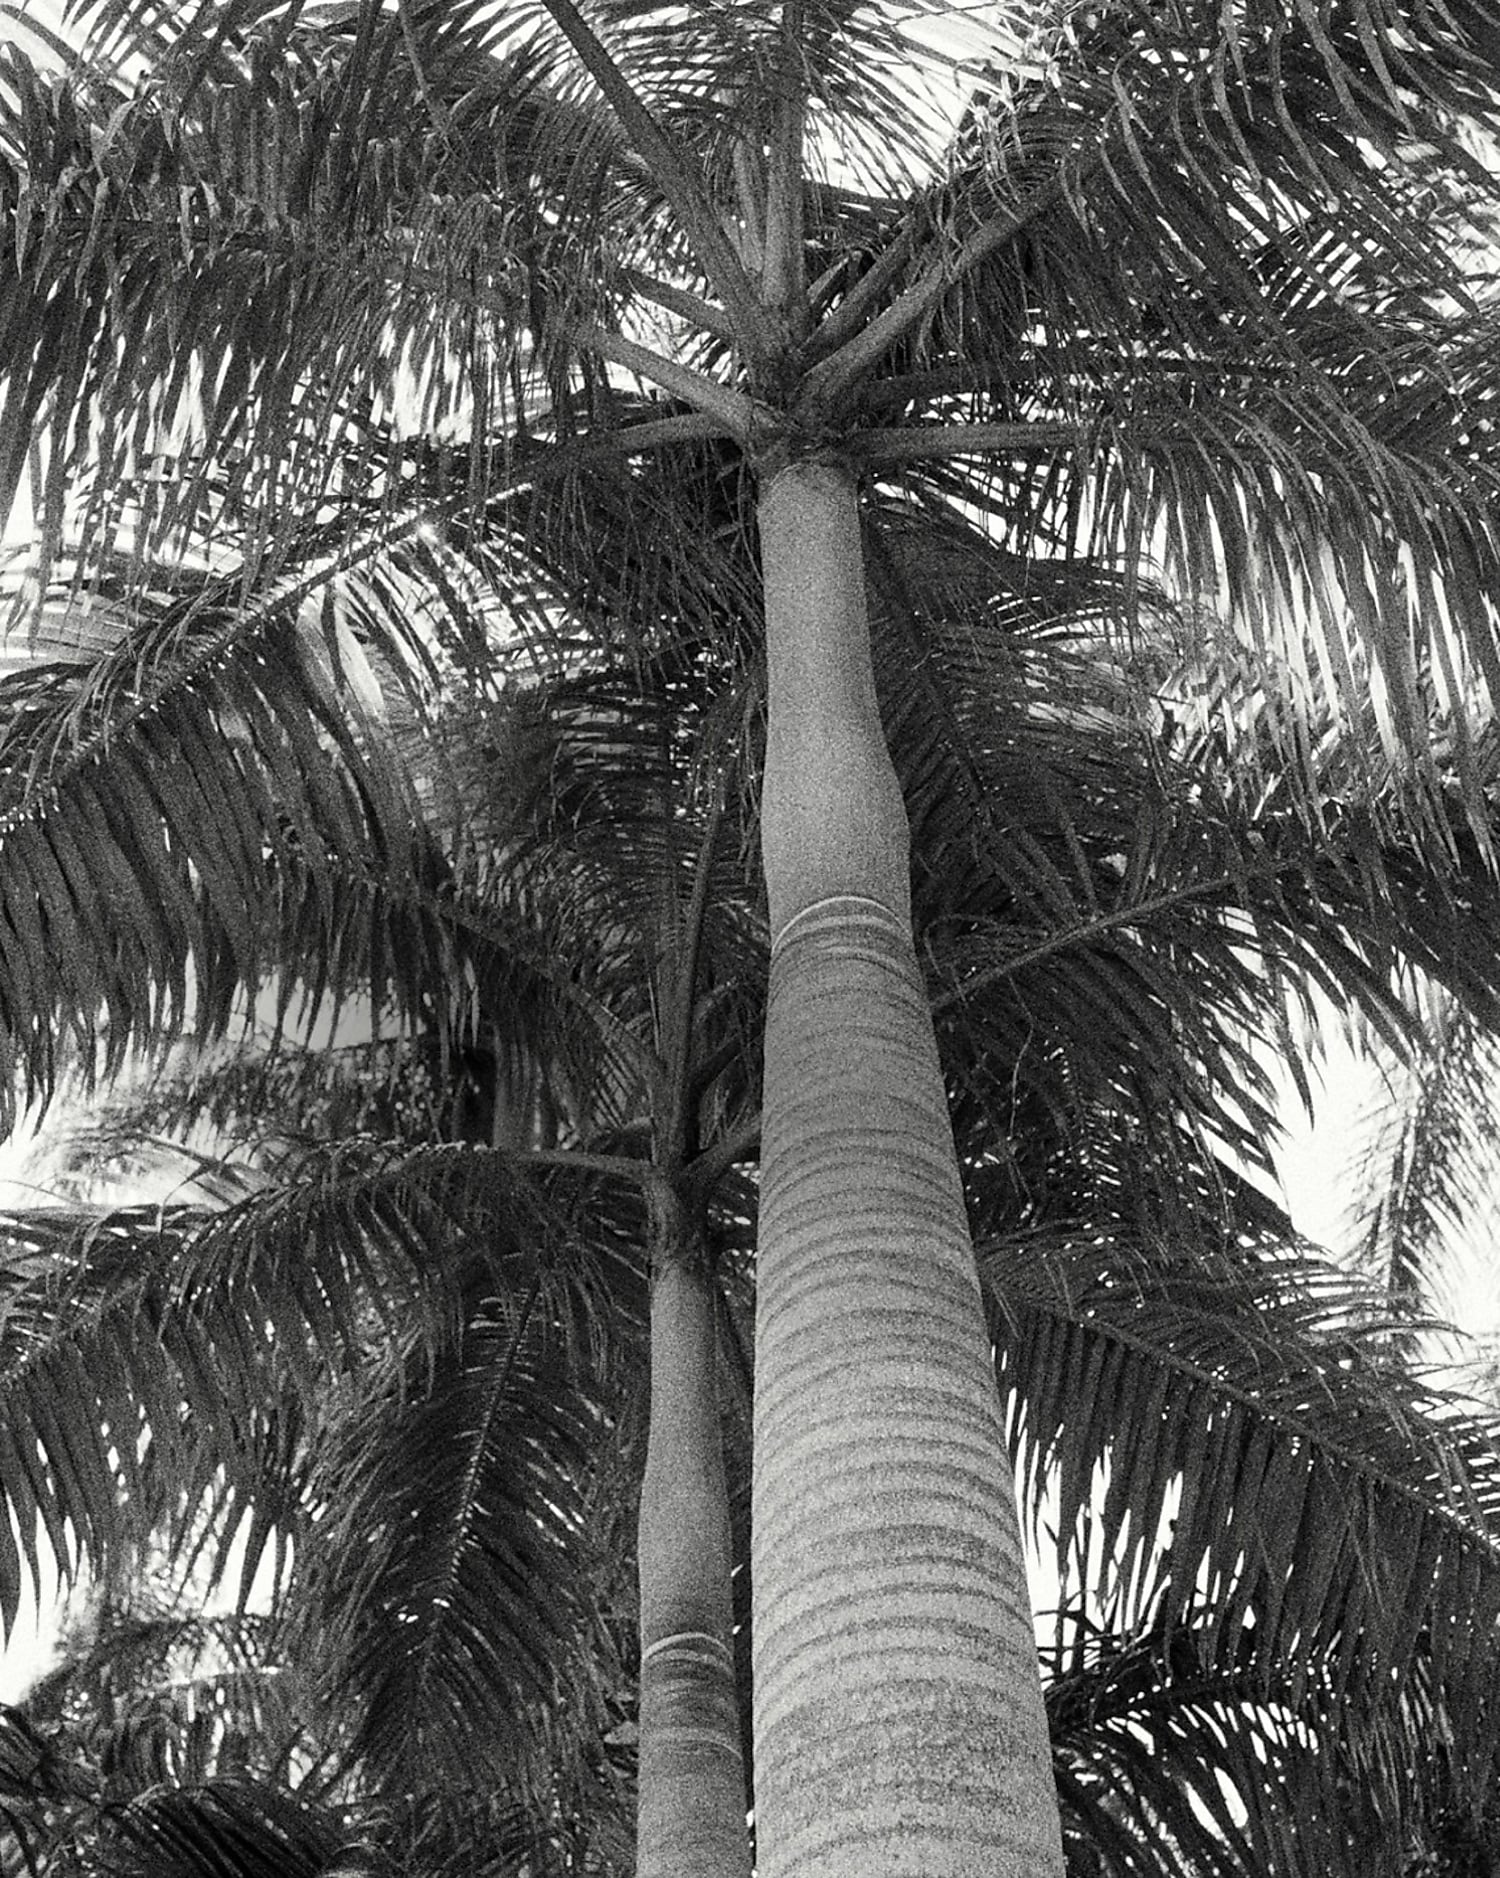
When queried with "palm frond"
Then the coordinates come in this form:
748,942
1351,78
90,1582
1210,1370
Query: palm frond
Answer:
164,1735
214,1337
1170,1759
1424,1156
1117,902
306,735
1240,261
144,837
254,170
450,1560
1228,1432
234,1829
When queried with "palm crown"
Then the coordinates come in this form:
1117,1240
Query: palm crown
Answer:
1078,1215
1279,385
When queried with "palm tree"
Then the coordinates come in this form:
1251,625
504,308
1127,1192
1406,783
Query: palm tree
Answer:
583,889
347,1250
1216,1698
1187,280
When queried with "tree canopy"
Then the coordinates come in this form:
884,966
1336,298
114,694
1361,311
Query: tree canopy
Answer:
396,614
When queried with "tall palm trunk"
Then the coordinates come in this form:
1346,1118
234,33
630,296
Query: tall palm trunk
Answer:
899,1726
691,1820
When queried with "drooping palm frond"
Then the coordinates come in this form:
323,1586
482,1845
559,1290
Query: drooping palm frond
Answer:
245,1828
1172,1762
207,1124
143,848
396,1384
167,1733
244,703
1225,1459
206,804
1226,253
216,1335
293,153
1117,904
67,1809
445,1511
235,1828
1424,1159
1131,1720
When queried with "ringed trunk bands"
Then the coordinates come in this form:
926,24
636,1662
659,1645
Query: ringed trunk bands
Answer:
691,1812
899,1726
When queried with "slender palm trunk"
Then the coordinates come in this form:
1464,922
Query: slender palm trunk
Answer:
691,1819
899,1726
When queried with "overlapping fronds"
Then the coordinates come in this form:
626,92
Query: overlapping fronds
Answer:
1333,1565
126,1762
1204,287
239,1826
477,1836
1219,1446
97,1389
165,1734
582,801
1243,255
589,813
1118,908
250,1829
1423,1160
1015,743
215,798
160,1360
214,1121
1173,1761
235,268
430,1338
152,1695
438,1532
171,840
